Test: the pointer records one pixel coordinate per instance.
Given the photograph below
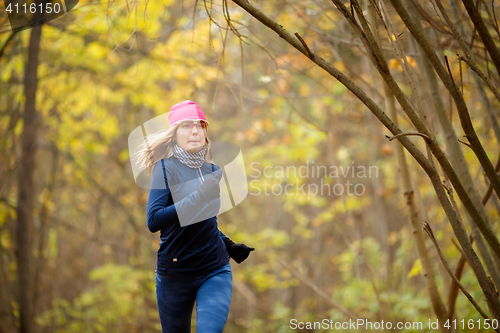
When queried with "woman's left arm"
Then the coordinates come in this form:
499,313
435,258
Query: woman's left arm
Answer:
224,237
238,252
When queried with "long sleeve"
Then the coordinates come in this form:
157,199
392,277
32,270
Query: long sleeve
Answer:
161,210
224,237
227,241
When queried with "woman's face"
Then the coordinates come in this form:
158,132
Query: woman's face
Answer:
190,135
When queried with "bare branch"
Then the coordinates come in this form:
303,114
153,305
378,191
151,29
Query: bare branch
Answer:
304,43
429,232
453,292
465,143
408,134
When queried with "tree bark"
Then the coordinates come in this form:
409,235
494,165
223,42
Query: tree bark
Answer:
6,313
42,232
26,185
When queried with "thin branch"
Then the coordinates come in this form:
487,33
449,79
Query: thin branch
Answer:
449,72
402,59
453,292
351,42
11,38
465,143
305,45
449,191
408,134
429,232
472,64
488,193
461,78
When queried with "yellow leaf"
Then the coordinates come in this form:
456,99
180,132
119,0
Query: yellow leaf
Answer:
393,63
411,61
5,240
416,269
339,65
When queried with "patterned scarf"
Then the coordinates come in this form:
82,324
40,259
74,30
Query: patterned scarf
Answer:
192,160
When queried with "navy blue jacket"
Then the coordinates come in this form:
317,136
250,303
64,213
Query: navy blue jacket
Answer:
193,249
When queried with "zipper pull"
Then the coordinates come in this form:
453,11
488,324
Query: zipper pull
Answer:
199,169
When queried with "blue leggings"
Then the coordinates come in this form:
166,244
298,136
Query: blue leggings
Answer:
176,295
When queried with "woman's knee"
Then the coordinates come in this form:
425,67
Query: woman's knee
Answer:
213,301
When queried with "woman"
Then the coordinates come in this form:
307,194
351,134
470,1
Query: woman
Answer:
193,263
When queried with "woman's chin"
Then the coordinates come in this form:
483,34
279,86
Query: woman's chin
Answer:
194,147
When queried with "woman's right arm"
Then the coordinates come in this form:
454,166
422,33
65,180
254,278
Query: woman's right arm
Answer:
160,214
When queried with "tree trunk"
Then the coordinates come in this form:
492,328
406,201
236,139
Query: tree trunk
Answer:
6,314
42,232
26,196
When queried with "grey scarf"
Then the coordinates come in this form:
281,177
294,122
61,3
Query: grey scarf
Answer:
192,160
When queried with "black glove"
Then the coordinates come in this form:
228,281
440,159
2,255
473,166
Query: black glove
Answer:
209,189
238,252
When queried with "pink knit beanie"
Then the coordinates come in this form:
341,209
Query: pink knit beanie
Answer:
184,111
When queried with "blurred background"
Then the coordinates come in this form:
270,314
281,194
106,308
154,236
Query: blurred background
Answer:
72,217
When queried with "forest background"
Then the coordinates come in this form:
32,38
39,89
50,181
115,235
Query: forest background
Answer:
294,84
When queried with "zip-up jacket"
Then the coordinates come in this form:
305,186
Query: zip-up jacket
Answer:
190,241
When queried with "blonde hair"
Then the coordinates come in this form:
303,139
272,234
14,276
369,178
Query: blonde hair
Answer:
160,145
